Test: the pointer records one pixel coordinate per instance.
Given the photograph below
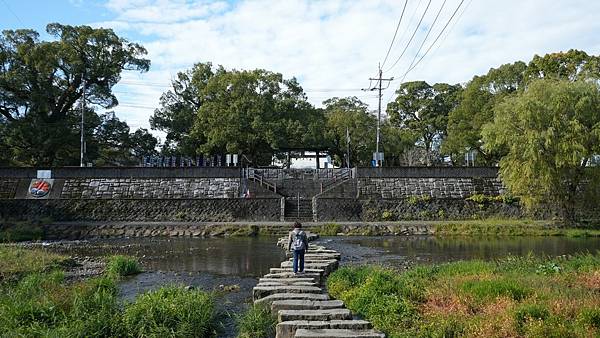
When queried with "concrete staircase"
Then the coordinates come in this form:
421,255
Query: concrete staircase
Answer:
301,304
298,209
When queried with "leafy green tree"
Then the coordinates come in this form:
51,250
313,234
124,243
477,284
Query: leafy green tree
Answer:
551,131
350,114
255,113
421,110
114,142
143,143
179,107
483,93
42,82
476,108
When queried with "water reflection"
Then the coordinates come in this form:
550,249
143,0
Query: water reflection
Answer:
246,257
443,249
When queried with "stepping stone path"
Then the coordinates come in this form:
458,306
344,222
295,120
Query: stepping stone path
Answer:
300,302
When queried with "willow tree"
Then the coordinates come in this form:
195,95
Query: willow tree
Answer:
551,131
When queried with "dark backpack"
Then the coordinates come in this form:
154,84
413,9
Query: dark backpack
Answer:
298,242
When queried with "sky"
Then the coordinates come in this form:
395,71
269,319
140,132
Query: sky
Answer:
332,47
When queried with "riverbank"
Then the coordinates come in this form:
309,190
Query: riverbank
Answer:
484,227
514,296
37,300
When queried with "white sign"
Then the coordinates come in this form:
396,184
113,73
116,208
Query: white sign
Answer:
44,174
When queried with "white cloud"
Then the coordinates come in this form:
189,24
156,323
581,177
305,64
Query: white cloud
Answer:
337,44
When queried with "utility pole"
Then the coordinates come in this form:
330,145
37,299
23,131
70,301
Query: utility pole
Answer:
379,87
347,148
82,145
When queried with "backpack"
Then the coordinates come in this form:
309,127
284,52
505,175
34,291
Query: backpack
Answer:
298,241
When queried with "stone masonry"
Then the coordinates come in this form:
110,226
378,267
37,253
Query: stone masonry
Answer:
404,187
150,188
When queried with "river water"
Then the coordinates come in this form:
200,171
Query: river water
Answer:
236,263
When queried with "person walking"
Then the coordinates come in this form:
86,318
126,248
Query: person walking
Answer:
298,244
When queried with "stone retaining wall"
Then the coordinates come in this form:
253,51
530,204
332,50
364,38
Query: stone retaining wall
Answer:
8,187
404,187
345,209
150,188
211,210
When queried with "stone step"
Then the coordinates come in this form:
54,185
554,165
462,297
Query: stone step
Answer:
315,259
337,333
326,314
283,284
328,267
291,296
316,277
299,304
288,329
287,280
307,271
263,291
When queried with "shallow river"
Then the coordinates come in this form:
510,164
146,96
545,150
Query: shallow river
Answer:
212,264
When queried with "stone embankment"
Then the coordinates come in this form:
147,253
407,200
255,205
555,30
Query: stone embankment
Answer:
301,303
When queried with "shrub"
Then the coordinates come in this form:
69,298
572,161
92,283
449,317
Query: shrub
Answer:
529,312
330,229
172,311
256,322
20,231
388,215
121,266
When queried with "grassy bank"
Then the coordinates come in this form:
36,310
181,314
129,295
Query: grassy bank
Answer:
512,297
37,301
256,322
484,227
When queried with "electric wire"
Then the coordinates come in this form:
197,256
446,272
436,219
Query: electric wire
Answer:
395,33
411,38
434,41
13,13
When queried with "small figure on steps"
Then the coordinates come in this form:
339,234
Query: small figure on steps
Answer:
298,244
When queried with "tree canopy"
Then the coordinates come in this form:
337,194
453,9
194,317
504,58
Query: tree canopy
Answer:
41,82
551,131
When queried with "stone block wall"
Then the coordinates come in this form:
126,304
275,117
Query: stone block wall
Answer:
8,187
196,210
339,209
449,187
150,188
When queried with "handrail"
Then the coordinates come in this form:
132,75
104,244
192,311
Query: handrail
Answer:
254,176
344,175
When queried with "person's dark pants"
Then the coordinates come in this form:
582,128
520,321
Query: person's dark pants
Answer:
298,258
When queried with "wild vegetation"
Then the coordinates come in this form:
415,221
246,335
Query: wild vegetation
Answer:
511,297
257,322
37,301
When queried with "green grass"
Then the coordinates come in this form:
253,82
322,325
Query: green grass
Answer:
121,266
172,311
21,231
509,227
329,229
16,262
512,297
257,322
37,301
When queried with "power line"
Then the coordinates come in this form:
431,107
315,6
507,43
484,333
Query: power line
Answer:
428,32
396,32
13,13
434,41
411,38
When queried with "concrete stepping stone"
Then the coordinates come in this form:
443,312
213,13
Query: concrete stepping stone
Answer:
326,314
328,266
337,333
299,304
307,270
279,283
263,291
291,296
316,277
286,280
288,329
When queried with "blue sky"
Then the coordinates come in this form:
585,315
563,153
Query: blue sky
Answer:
331,46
